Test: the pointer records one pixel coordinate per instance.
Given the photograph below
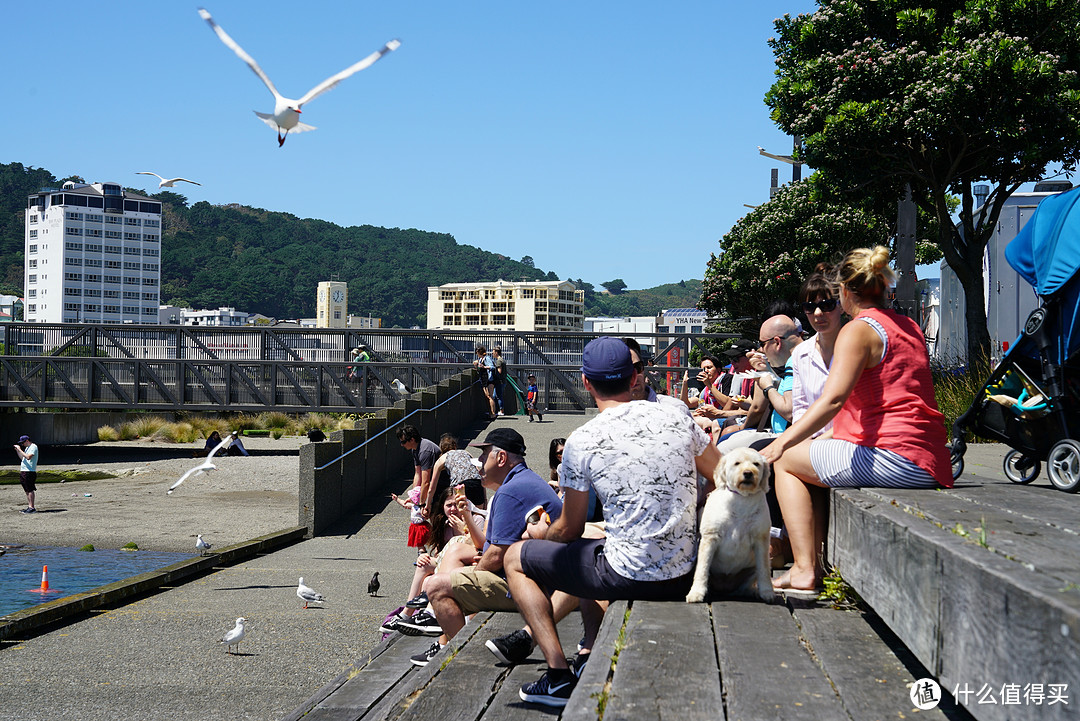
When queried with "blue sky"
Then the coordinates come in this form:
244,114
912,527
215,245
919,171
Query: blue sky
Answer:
604,139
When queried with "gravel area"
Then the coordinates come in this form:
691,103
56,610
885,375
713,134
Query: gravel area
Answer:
244,498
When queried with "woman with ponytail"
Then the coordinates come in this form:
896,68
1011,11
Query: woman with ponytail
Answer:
879,395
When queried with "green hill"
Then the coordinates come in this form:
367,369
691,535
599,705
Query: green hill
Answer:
267,262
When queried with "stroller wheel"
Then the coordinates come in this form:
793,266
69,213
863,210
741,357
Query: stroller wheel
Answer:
1021,469
957,464
1063,465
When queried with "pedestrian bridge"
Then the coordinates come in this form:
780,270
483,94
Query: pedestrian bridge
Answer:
290,369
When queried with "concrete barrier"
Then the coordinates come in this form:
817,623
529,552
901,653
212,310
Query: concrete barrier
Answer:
59,429
340,472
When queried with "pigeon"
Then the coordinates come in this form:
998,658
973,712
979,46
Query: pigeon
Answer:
205,467
308,595
235,636
202,545
167,182
373,585
286,115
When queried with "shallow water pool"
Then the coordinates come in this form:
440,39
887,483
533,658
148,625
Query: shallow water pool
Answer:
70,571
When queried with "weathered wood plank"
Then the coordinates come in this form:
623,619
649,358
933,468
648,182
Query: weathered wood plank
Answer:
667,668
766,672
583,702
378,678
871,679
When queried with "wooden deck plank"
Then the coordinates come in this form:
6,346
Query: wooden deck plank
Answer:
766,672
872,681
667,668
583,702
378,678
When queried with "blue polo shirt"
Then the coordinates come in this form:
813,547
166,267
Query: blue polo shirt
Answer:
521,492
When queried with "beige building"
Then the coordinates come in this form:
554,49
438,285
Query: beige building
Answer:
331,300
542,305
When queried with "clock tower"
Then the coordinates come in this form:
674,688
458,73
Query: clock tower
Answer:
331,301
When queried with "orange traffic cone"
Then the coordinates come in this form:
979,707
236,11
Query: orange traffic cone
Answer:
44,579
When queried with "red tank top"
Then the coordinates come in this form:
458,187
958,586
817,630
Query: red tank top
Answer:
892,405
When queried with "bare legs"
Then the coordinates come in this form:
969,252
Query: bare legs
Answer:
804,505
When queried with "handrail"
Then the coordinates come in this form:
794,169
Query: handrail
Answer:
401,420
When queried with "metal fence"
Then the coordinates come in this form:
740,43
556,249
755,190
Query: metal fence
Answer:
286,369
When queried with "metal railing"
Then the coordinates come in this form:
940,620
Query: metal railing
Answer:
286,369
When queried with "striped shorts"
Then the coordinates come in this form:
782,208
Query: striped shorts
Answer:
844,464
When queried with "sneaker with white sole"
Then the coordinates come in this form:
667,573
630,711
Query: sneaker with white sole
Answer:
422,624
421,601
551,689
390,625
577,663
512,648
423,659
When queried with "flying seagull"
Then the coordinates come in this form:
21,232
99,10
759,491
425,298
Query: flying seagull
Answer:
205,467
308,595
235,636
167,182
373,585
286,115
202,545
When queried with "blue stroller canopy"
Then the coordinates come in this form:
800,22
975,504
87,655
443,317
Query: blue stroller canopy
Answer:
1046,253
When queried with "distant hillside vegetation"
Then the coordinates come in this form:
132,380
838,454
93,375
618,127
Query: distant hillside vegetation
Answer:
267,262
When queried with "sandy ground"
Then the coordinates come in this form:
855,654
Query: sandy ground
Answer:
246,497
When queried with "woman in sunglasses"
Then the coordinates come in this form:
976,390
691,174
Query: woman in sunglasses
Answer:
810,360
887,430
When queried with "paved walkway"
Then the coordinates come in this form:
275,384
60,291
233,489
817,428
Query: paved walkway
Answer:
159,658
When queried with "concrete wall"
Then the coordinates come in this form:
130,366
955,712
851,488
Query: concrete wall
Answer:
57,429
332,493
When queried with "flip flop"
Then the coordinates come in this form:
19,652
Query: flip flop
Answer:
803,594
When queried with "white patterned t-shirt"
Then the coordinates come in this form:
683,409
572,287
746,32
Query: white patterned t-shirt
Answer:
639,457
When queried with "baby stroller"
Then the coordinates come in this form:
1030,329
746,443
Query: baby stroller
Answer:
1030,401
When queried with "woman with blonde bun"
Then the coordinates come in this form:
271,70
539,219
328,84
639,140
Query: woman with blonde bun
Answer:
879,395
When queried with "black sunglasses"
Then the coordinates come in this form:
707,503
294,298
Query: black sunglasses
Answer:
639,367
827,306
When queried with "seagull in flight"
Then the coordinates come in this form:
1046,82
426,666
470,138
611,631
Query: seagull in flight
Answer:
286,115
205,467
235,636
167,182
308,595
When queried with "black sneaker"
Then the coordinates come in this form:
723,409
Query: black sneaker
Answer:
28,510
422,624
540,416
390,625
513,647
577,663
552,689
420,601
423,659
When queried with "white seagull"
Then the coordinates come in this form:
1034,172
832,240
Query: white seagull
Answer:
235,636
167,182
205,467
286,115
308,595
399,387
202,545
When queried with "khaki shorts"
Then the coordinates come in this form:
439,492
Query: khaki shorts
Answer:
481,591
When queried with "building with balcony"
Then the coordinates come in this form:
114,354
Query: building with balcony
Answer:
542,305
93,255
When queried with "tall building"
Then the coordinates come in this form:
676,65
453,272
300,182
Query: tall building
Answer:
542,305
93,255
331,301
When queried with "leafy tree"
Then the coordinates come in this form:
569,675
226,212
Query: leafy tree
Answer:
767,254
939,95
615,286
527,260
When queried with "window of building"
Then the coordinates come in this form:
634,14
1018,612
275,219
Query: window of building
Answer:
130,280
132,266
112,309
72,291
69,261
93,278
131,251
150,238
112,279
680,329
151,223
112,249
93,233
152,267
149,281
93,218
337,315
93,247
32,263
149,311
73,216
113,234
661,329
112,219
92,292
32,249
73,276
132,221
92,308
150,296
33,219
129,295
33,233
131,309
32,308
153,252
110,294
32,278
472,320
113,264
695,329
528,293
72,306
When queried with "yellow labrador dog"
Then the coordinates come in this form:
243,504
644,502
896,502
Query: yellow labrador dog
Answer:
734,548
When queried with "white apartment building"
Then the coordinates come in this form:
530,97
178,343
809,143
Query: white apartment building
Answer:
93,255
542,305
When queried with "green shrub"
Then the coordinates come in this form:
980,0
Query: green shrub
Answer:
257,432
277,433
182,432
147,426
107,433
274,419
128,432
130,546
87,547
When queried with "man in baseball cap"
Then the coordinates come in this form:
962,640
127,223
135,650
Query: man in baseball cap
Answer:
642,461
505,438
27,451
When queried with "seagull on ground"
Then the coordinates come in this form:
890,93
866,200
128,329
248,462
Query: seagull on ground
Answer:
373,585
167,182
286,115
308,595
205,467
235,636
202,545
399,387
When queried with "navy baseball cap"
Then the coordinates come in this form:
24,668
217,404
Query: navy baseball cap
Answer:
606,359
23,438
505,438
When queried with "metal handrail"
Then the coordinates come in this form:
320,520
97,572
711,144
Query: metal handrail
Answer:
396,423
